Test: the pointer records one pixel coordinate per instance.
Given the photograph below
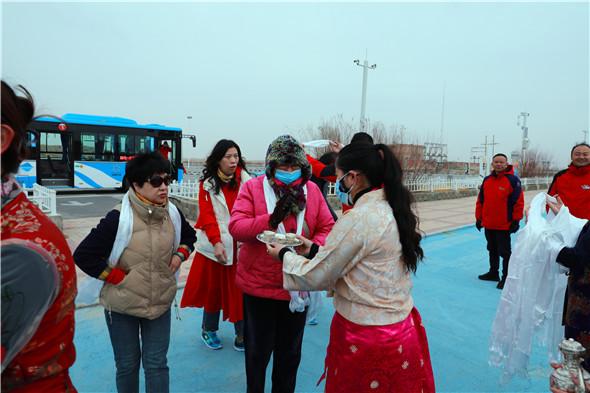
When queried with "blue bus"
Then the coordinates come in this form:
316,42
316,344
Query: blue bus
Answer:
78,151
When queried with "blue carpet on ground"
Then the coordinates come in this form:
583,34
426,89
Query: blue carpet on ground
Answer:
456,307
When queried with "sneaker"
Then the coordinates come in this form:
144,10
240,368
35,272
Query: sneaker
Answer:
211,340
239,344
489,276
501,284
312,321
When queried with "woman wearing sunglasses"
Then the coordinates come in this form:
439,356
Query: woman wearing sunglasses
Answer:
282,201
377,340
136,251
211,281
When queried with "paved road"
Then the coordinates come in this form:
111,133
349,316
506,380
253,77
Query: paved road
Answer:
457,311
86,205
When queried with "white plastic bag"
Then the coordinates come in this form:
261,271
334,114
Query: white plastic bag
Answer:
531,304
88,291
315,305
317,143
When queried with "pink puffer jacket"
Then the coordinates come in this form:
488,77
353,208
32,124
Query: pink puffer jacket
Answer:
258,274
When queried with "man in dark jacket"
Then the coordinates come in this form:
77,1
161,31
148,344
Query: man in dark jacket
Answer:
499,209
573,184
576,312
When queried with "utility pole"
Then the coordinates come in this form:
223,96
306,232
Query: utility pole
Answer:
366,67
442,113
485,156
585,132
493,144
476,153
485,145
521,121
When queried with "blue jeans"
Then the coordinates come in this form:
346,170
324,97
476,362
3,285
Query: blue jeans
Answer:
125,332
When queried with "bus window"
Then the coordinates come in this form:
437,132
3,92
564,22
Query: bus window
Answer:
88,144
126,148
144,144
32,145
172,157
166,147
51,147
97,147
105,147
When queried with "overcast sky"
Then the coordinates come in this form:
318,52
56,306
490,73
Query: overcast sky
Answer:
251,72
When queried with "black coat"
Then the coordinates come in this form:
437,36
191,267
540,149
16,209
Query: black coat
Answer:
577,301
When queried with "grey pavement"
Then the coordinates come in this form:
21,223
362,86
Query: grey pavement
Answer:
444,215
75,206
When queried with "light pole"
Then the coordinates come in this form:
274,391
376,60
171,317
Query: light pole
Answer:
585,132
189,118
476,154
521,121
366,67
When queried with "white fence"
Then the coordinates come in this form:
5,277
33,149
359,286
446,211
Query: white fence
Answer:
454,184
191,190
430,185
538,181
45,198
186,189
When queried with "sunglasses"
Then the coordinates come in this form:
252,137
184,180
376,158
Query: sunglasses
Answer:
156,181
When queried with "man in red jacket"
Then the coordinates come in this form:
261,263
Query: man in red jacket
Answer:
499,208
573,184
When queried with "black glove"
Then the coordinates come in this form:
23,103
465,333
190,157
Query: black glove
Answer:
282,210
514,226
478,225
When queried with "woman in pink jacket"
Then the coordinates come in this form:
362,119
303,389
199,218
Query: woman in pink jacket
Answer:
283,201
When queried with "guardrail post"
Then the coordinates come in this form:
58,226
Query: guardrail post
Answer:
53,202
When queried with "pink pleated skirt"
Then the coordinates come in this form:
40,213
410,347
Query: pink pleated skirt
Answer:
389,358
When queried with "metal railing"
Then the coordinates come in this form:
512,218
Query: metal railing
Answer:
186,189
191,189
45,198
451,184
455,184
538,181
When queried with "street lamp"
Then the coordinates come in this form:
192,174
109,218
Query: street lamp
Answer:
366,67
521,121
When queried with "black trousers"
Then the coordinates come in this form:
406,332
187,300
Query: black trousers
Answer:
499,246
271,328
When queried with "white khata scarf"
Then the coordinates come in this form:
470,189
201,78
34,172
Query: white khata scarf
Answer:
299,299
89,289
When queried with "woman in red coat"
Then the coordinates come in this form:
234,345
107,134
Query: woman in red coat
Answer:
38,273
211,280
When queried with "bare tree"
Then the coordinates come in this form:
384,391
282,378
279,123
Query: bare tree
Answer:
336,129
537,163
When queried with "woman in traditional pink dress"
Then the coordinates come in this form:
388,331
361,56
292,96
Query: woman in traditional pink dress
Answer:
377,340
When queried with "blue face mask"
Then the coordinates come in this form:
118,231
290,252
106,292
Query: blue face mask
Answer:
342,192
286,176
